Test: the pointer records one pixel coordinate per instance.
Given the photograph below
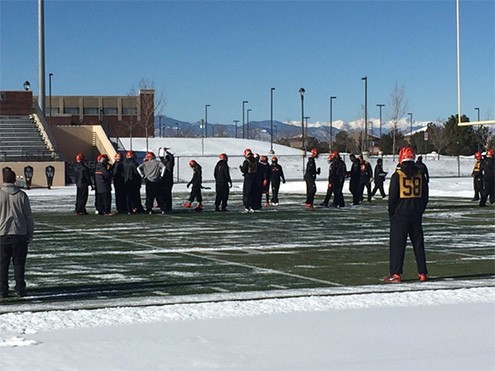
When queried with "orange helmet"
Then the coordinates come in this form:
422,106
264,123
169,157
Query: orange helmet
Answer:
192,163
223,156
150,156
80,157
490,153
130,154
314,152
102,158
477,155
406,154
264,158
274,159
333,155
247,153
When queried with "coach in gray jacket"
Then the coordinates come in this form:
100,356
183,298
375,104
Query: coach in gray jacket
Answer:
16,232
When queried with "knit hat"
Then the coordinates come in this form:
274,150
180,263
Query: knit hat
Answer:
9,176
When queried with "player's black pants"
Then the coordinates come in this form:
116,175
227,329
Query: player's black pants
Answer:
310,191
168,183
222,195
154,190
103,203
275,189
488,192
81,199
249,191
402,226
13,248
478,187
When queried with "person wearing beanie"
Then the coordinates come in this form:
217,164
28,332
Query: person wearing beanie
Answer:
16,232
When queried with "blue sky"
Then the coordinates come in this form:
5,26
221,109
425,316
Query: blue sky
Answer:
223,52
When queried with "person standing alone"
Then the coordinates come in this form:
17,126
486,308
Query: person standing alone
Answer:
16,232
408,197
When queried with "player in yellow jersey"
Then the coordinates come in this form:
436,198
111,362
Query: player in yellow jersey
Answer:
408,197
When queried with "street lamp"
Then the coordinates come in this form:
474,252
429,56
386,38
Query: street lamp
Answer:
235,123
380,106
27,85
271,121
410,123
331,124
301,92
365,113
206,120
276,137
247,123
50,93
477,109
243,122
177,129
306,128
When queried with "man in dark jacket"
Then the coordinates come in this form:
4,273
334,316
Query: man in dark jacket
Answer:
310,178
355,177
408,197
423,168
132,184
265,172
488,170
196,183
167,158
276,176
365,178
16,232
379,179
83,181
336,178
223,183
103,185
249,171
477,176
119,185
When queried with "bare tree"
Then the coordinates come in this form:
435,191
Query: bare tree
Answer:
397,108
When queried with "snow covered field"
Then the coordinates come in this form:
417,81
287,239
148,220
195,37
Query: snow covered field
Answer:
432,326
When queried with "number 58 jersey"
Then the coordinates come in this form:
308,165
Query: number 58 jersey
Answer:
408,192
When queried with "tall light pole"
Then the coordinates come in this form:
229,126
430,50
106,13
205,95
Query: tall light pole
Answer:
247,123
206,120
177,129
477,109
306,118
235,123
331,124
410,123
301,92
275,132
160,125
380,106
243,115
50,93
41,56
271,121
365,78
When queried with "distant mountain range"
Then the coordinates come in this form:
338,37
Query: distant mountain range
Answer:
261,130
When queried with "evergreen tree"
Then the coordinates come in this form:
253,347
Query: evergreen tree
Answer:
461,140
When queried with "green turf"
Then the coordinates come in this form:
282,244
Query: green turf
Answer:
285,247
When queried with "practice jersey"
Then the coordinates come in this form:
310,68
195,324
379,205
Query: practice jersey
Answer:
410,187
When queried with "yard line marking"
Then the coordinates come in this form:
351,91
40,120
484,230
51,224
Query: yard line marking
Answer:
264,270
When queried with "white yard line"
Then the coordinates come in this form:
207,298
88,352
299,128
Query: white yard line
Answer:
191,254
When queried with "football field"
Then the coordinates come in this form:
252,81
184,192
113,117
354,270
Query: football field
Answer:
96,261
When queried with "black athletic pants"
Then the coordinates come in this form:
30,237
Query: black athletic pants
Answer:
12,248
402,226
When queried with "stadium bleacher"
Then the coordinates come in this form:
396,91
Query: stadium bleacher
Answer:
21,140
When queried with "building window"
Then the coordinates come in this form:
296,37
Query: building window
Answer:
91,111
71,110
110,111
128,111
54,111
2,96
